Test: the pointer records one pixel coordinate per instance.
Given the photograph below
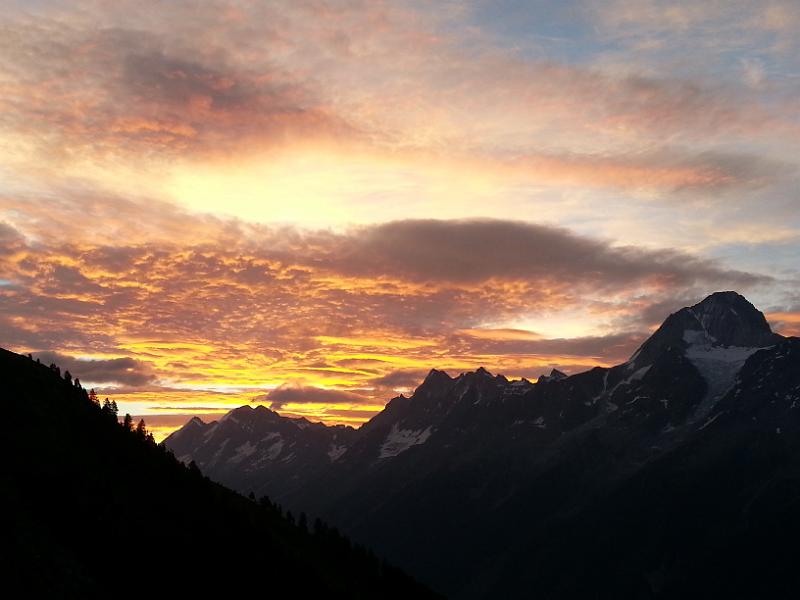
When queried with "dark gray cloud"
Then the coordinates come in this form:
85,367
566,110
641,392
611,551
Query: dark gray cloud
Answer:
473,251
656,310
401,379
304,394
62,280
11,240
670,167
614,347
125,371
726,168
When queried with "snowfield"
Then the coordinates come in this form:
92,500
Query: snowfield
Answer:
400,440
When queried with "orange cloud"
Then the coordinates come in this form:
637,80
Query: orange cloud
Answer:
785,323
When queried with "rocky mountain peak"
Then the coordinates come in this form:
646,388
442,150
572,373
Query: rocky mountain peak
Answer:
194,421
723,319
435,382
728,319
555,375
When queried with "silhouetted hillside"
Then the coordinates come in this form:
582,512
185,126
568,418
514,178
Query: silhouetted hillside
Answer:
92,509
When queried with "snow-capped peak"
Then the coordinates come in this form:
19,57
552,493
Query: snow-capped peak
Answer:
727,318
727,330
722,319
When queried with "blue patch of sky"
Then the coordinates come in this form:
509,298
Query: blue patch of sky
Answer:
775,259
565,32
540,30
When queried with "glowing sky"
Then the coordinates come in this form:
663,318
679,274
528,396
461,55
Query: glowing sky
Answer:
309,204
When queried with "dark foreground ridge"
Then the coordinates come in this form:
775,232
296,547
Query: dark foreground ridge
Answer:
673,475
92,509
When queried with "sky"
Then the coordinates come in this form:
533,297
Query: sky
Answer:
310,204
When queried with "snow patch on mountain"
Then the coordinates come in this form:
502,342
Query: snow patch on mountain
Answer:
229,417
718,365
275,449
400,440
271,452
242,452
218,453
335,452
695,336
635,376
210,431
709,421
704,319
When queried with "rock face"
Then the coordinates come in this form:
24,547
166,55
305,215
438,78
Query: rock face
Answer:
575,486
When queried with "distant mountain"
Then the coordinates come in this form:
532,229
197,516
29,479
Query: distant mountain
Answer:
91,509
286,454
673,475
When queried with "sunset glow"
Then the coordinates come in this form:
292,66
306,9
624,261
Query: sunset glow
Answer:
309,205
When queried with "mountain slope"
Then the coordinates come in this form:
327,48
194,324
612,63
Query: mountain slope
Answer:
576,486
90,509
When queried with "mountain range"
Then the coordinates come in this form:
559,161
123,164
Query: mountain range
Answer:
675,474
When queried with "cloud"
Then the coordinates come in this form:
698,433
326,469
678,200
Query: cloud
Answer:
220,80
482,250
70,212
123,371
293,393
613,348
785,323
130,92
402,379
668,168
11,240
